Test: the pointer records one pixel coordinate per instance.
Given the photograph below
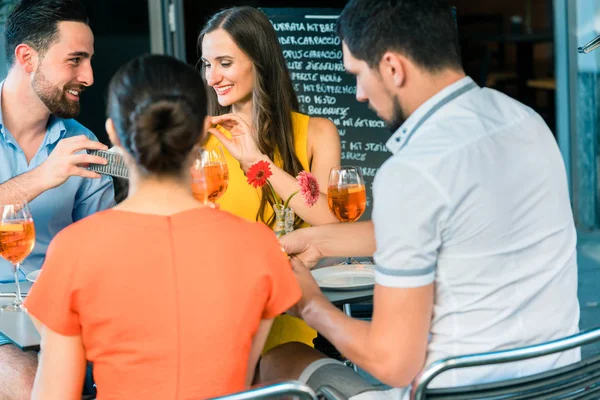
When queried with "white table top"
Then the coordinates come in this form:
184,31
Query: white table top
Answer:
341,297
17,326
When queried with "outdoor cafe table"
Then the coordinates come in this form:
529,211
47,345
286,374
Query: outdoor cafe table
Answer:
342,297
18,327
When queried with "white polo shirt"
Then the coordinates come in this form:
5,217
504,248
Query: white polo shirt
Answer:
475,199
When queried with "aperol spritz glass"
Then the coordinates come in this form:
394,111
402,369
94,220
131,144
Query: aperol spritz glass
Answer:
346,195
210,171
17,238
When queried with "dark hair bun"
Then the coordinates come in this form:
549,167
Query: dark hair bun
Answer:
162,139
158,105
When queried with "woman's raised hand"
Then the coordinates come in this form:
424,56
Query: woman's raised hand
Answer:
242,145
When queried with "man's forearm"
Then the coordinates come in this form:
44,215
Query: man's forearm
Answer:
26,186
393,346
356,239
349,336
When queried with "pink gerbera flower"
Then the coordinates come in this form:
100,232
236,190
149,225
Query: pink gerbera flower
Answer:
309,188
258,175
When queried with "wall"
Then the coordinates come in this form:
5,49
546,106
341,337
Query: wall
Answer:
196,14
586,163
121,32
541,20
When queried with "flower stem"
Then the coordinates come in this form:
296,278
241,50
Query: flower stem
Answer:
285,205
275,197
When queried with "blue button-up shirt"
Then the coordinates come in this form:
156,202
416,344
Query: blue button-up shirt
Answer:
58,207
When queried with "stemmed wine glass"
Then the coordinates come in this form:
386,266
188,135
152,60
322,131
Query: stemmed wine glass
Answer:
17,238
199,185
346,195
210,174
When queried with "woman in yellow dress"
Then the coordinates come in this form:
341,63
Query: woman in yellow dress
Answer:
256,118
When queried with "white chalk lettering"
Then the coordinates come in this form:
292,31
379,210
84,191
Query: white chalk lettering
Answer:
369,171
293,54
376,147
303,76
344,89
324,66
328,55
288,26
341,111
330,78
368,123
329,100
295,65
314,54
355,145
348,122
304,99
309,41
323,28
349,155
330,89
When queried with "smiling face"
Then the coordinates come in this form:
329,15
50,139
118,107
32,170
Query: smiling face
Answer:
370,87
65,69
227,69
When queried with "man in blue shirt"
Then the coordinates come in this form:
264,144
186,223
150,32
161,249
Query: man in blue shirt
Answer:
49,46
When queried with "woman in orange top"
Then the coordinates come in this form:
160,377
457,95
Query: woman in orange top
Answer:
124,288
253,100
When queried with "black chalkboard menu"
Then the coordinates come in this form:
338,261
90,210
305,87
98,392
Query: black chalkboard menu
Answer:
314,57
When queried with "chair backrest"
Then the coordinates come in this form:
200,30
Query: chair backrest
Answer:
274,391
580,380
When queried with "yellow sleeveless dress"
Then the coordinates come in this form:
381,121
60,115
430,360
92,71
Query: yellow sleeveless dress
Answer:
243,200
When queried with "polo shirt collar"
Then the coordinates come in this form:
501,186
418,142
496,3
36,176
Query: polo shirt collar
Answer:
55,130
403,133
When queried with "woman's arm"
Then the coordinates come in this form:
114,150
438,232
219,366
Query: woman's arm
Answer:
324,153
61,368
257,346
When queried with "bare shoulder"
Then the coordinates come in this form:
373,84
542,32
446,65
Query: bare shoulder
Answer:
322,132
318,126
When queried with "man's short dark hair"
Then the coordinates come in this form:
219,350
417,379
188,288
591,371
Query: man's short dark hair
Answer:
35,22
422,30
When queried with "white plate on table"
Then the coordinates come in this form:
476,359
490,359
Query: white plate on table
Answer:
345,277
33,275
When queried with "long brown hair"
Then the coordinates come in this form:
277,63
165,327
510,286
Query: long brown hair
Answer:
273,96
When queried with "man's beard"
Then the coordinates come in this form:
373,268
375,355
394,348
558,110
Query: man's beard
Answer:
398,116
54,98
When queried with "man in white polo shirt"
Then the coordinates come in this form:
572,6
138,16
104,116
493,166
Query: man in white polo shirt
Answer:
472,230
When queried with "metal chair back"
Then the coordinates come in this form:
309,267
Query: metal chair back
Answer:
577,381
274,391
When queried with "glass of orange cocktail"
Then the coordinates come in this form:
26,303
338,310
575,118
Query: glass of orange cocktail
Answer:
210,174
346,195
17,238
